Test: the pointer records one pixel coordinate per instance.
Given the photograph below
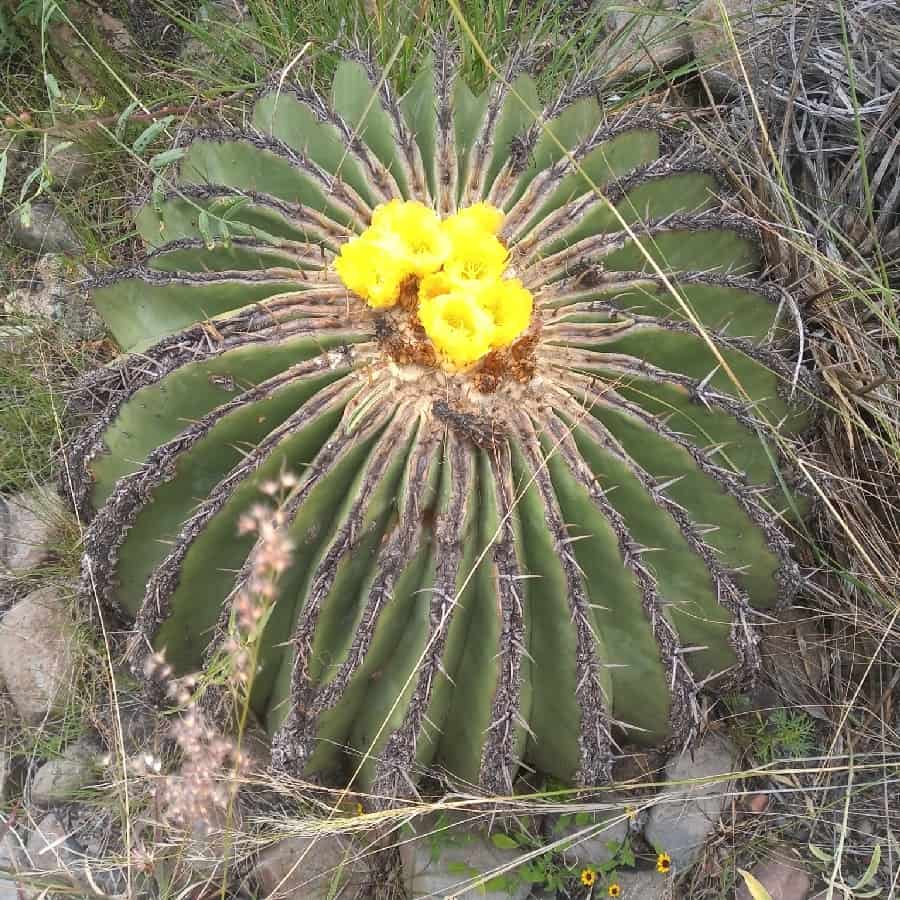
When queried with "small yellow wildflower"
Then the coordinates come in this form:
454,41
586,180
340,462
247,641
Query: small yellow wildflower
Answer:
458,327
664,863
631,812
360,809
510,306
614,890
588,877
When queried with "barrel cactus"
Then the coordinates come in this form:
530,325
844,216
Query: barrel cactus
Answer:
531,515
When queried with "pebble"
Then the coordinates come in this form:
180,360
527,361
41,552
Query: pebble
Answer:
749,21
644,885
309,867
37,654
29,522
55,294
49,853
46,231
435,865
781,875
647,41
611,830
70,165
5,772
60,779
10,861
685,814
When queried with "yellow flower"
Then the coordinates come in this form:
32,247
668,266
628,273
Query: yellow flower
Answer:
481,216
413,231
475,255
459,328
434,286
588,877
664,863
368,269
360,809
614,890
510,305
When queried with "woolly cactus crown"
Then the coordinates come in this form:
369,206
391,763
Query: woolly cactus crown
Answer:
531,556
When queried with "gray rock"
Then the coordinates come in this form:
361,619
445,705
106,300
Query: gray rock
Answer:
686,812
654,38
69,165
37,654
29,522
435,865
14,339
311,868
61,779
75,54
45,230
51,855
754,24
644,885
21,158
55,294
231,33
611,828
10,861
5,768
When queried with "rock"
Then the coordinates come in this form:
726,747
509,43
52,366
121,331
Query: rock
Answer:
76,55
651,39
21,158
49,853
685,813
55,294
442,858
593,851
13,339
77,846
5,768
10,861
311,868
29,522
37,654
44,230
61,779
781,875
231,34
644,885
755,26
69,165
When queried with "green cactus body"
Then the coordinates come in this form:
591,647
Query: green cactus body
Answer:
535,562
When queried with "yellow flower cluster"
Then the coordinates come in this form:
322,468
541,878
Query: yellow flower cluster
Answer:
465,305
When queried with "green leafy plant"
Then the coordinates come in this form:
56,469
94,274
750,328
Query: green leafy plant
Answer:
532,560
784,733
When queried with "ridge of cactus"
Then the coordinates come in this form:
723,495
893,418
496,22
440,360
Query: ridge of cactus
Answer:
534,558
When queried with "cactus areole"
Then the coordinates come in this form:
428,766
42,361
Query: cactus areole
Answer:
524,367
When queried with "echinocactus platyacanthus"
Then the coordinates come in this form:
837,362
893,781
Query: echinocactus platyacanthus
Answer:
531,515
